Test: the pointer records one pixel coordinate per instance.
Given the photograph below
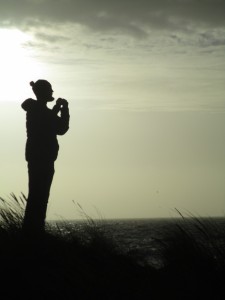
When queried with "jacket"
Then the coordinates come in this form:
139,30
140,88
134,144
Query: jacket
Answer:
43,125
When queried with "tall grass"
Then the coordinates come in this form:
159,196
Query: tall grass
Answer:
194,258
86,263
11,214
198,240
65,263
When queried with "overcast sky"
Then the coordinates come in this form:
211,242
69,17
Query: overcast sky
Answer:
145,83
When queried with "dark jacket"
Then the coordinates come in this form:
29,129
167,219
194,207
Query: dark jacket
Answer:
43,126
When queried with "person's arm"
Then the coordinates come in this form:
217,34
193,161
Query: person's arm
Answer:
62,121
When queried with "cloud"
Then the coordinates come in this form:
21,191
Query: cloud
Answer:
207,39
51,37
136,18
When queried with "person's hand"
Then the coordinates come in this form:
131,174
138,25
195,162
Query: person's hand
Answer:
62,102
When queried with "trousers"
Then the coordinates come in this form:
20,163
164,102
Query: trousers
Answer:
40,175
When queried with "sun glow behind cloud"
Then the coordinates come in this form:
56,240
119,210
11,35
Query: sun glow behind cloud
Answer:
18,64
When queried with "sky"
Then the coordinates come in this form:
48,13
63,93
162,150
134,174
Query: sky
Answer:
145,85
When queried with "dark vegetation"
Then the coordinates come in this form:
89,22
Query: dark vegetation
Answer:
88,264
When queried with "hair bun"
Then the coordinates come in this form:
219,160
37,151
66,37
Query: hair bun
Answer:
32,83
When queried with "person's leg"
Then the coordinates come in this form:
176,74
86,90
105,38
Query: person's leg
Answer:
47,177
40,179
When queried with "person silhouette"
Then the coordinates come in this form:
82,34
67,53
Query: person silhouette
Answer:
43,125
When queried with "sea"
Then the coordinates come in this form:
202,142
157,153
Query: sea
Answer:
147,238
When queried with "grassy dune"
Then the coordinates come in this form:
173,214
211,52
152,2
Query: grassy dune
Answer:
87,264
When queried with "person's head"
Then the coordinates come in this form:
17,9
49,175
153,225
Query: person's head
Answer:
43,90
